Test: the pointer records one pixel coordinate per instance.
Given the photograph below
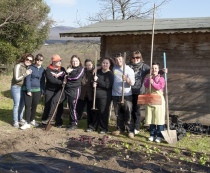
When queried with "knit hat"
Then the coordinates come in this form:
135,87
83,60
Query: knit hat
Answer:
56,58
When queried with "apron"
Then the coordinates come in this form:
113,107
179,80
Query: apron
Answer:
155,114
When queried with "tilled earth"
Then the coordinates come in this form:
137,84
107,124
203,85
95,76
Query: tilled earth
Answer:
59,150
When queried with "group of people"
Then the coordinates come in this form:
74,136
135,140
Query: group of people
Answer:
88,87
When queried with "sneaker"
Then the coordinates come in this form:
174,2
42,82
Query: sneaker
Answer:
89,130
22,122
34,123
16,124
102,132
117,132
151,138
158,140
25,126
72,127
47,120
131,135
136,132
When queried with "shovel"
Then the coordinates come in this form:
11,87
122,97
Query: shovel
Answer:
49,125
169,135
94,109
123,82
152,99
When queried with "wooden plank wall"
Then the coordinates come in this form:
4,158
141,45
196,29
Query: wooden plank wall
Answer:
188,61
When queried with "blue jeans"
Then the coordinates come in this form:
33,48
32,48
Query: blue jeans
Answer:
18,99
155,130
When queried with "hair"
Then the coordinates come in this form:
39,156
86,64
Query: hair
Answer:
110,61
156,63
88,60
24,57
118,55
38,57
138,53
75,56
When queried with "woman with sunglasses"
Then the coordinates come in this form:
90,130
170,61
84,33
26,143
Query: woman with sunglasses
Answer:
141,70
34,88
20,71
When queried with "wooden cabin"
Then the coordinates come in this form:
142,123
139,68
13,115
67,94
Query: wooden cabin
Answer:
186,42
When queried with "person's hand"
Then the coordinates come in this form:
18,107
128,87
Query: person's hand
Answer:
29,71
165,70
64,80
94,84
124,77
69,70
151,81
29,93
95,78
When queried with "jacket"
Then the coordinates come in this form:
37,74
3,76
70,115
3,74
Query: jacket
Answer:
19,74
140,70
74,81
36,80
87,86
53,83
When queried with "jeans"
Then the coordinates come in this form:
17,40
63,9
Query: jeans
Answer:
18,99
155,130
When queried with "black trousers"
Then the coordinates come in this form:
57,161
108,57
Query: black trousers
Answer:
80,109
101,117
72,98
136,112
51,100
31,103
123,112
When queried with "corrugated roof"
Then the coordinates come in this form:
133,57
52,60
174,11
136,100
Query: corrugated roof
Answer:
141,26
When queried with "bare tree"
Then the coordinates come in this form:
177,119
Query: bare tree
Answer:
124,9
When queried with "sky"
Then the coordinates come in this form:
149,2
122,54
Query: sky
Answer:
68,12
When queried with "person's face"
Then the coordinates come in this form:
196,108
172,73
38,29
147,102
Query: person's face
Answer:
89,65
155,70
39,61
119,61
105,64
28,61
75,62
57,63
135,59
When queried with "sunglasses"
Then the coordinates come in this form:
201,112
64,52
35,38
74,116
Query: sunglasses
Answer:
29,60
39,60
57,61
137,57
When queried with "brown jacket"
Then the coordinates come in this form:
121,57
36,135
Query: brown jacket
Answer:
87,86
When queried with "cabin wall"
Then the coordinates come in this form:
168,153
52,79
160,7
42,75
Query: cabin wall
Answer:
188,63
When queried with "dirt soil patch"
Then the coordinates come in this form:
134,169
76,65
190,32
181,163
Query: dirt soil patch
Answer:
59,150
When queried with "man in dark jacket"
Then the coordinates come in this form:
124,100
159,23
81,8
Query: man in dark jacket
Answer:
54,79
